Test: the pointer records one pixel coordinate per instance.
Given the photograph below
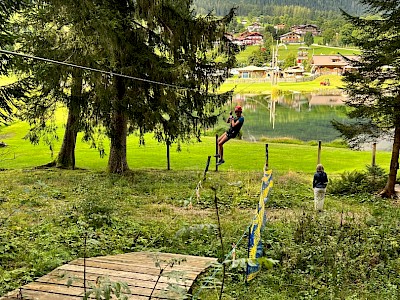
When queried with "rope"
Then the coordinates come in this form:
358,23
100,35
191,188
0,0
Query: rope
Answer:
96,70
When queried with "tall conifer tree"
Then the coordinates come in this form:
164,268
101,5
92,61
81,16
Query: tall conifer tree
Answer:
8,93
45,32
155,42
374,88
170,51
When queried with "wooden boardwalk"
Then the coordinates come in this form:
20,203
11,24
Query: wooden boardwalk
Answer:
137,269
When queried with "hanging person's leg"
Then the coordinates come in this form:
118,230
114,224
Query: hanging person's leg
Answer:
221,141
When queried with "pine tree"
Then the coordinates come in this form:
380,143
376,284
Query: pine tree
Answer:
44,32
8,93
169,55
374,89
308,39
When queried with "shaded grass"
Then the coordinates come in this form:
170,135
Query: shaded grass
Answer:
45,215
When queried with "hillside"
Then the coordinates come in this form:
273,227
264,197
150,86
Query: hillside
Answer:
269,7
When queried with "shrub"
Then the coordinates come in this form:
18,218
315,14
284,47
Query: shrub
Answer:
354,182
97,210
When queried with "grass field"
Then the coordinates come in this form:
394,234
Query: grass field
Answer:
45,215
350,251
292,49
239,155
266,87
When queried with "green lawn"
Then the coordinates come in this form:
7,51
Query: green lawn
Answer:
239,155
49,217
292,49
46,214
266,87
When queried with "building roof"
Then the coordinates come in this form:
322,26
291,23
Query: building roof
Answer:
305,26
332,60
290,33
247,33
295,69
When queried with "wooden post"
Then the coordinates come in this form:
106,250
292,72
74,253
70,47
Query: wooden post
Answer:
216,152
168,160
319,152
266,157
373,154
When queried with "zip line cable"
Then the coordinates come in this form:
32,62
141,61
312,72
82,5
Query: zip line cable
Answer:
95,70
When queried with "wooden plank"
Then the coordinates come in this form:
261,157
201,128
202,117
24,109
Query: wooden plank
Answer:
41,295
191,260
152,263
122,274
118,266
70,292
54,288
127,268
136,269
191,266
56,276
91,281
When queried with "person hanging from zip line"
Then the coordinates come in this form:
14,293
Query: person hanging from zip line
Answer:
236,124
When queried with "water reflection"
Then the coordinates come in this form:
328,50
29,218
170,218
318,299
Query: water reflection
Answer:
301,116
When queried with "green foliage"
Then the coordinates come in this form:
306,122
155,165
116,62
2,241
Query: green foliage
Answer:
173,290
374,88
280,9
290,61
337,256
309,39
370,181
41,230
241,264
104,289
259,57
96,210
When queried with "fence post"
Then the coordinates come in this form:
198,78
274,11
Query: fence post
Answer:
319,152
373,154
216,152
266,157
168,158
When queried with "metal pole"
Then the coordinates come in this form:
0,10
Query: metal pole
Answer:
266,157
319,152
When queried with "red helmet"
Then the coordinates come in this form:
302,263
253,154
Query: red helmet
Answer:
238,108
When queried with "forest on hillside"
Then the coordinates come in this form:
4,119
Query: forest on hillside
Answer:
271,7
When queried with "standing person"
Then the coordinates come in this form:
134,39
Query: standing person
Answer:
320,182
236,124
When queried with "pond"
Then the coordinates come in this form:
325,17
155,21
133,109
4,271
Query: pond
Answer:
300,116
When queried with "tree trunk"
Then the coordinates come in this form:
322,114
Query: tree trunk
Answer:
388,191
66,156
117,162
